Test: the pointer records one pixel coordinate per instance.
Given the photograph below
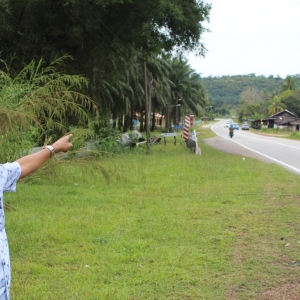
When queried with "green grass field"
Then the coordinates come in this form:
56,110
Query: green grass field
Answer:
167,225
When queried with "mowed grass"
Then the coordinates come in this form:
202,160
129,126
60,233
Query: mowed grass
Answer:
169,225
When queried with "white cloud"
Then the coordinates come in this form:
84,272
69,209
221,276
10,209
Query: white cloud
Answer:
257,36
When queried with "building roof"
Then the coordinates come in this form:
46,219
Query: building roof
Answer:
281,112
295,122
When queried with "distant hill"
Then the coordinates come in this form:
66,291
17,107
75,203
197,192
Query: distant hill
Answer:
227,89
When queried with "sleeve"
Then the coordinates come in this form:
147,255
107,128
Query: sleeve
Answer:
13,172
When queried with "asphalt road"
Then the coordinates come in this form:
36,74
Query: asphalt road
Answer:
269,149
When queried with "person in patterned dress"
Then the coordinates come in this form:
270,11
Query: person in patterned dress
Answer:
10,173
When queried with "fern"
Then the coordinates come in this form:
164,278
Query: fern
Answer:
39,97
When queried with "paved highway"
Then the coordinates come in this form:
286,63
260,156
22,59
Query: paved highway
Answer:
280,150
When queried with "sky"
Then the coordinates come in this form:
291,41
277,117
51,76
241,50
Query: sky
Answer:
251,36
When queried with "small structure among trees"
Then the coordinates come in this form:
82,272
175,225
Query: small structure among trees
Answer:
279,120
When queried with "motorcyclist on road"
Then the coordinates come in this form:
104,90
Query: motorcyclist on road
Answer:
231,129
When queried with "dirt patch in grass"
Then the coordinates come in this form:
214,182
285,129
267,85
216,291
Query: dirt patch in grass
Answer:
290,291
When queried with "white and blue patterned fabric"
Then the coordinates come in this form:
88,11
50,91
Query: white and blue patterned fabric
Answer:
9,175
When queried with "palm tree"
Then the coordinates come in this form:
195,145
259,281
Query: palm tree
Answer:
276,105
187,87
159,70
289,83
158,82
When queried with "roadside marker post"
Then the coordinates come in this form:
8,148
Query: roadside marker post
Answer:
170,134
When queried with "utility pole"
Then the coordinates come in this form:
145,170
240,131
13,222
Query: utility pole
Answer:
168,117
177,105
150,99
146,103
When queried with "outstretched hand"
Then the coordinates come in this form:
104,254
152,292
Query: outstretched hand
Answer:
63,144
30,163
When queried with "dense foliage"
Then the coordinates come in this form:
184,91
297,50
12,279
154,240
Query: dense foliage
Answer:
253,96
104,37
227,89
121,47
37,104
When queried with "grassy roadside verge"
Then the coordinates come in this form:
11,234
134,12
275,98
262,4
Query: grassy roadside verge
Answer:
170,225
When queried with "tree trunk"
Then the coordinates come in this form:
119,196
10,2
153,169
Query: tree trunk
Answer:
146,104
120,122
141,120
153,122
114,117
127,122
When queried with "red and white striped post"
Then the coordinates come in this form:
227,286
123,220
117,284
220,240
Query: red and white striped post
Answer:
187,124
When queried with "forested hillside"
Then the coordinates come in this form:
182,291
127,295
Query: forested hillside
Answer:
227,89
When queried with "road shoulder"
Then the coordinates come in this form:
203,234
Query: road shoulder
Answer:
233,148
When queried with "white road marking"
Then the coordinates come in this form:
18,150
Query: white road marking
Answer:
267,156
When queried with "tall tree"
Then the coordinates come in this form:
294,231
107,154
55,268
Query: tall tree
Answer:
102,34
289,84
276,105
251,103
186,89
291,100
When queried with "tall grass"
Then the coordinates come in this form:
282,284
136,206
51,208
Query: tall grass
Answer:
295,135
35,106
282,132
168,225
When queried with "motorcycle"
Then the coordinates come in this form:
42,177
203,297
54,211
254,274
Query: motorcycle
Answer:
231,134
